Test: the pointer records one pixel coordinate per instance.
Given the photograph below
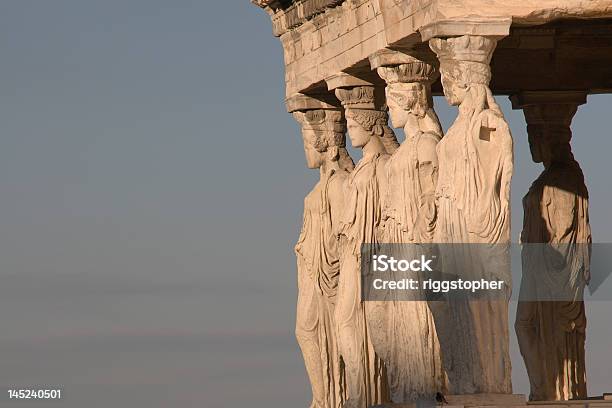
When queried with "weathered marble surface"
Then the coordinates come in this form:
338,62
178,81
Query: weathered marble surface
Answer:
366,374
407,336
473,199
323,37
551,334
318,254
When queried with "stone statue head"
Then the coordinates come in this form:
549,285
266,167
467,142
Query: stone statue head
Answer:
366,116
464,62
323,133
549,132
454,85
536,137
404,99
364,124
550,143
407,89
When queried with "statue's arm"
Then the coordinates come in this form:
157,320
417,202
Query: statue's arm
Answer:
428,178
507,170
503,139
381,177
428,164
337,196
302,235
562,213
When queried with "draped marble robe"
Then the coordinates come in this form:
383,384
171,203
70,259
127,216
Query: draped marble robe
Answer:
365,372
475,158
410,201
405,333
551,334
318,264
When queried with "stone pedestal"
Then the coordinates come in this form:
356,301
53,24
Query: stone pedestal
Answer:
506,401
469,400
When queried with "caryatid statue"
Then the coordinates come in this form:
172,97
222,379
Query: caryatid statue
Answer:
413,169
473,192
318,253
367,122
551,319
407,339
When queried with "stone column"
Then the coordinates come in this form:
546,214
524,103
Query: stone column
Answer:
475,168
363,103
556,236
406,335
413,169
318,250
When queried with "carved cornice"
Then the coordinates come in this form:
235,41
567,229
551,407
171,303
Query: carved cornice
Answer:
386,58
361,97
344,80
273,4
355,92
470,48
262,3
548,108
301,102
321,120
491,27
527,98
414,71
287,15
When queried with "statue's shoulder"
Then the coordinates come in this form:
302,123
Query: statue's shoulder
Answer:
427,143
339,175
429,135
313,193
381,162
337,182
492,119
493,126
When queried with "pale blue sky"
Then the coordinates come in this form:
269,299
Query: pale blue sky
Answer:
152,188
